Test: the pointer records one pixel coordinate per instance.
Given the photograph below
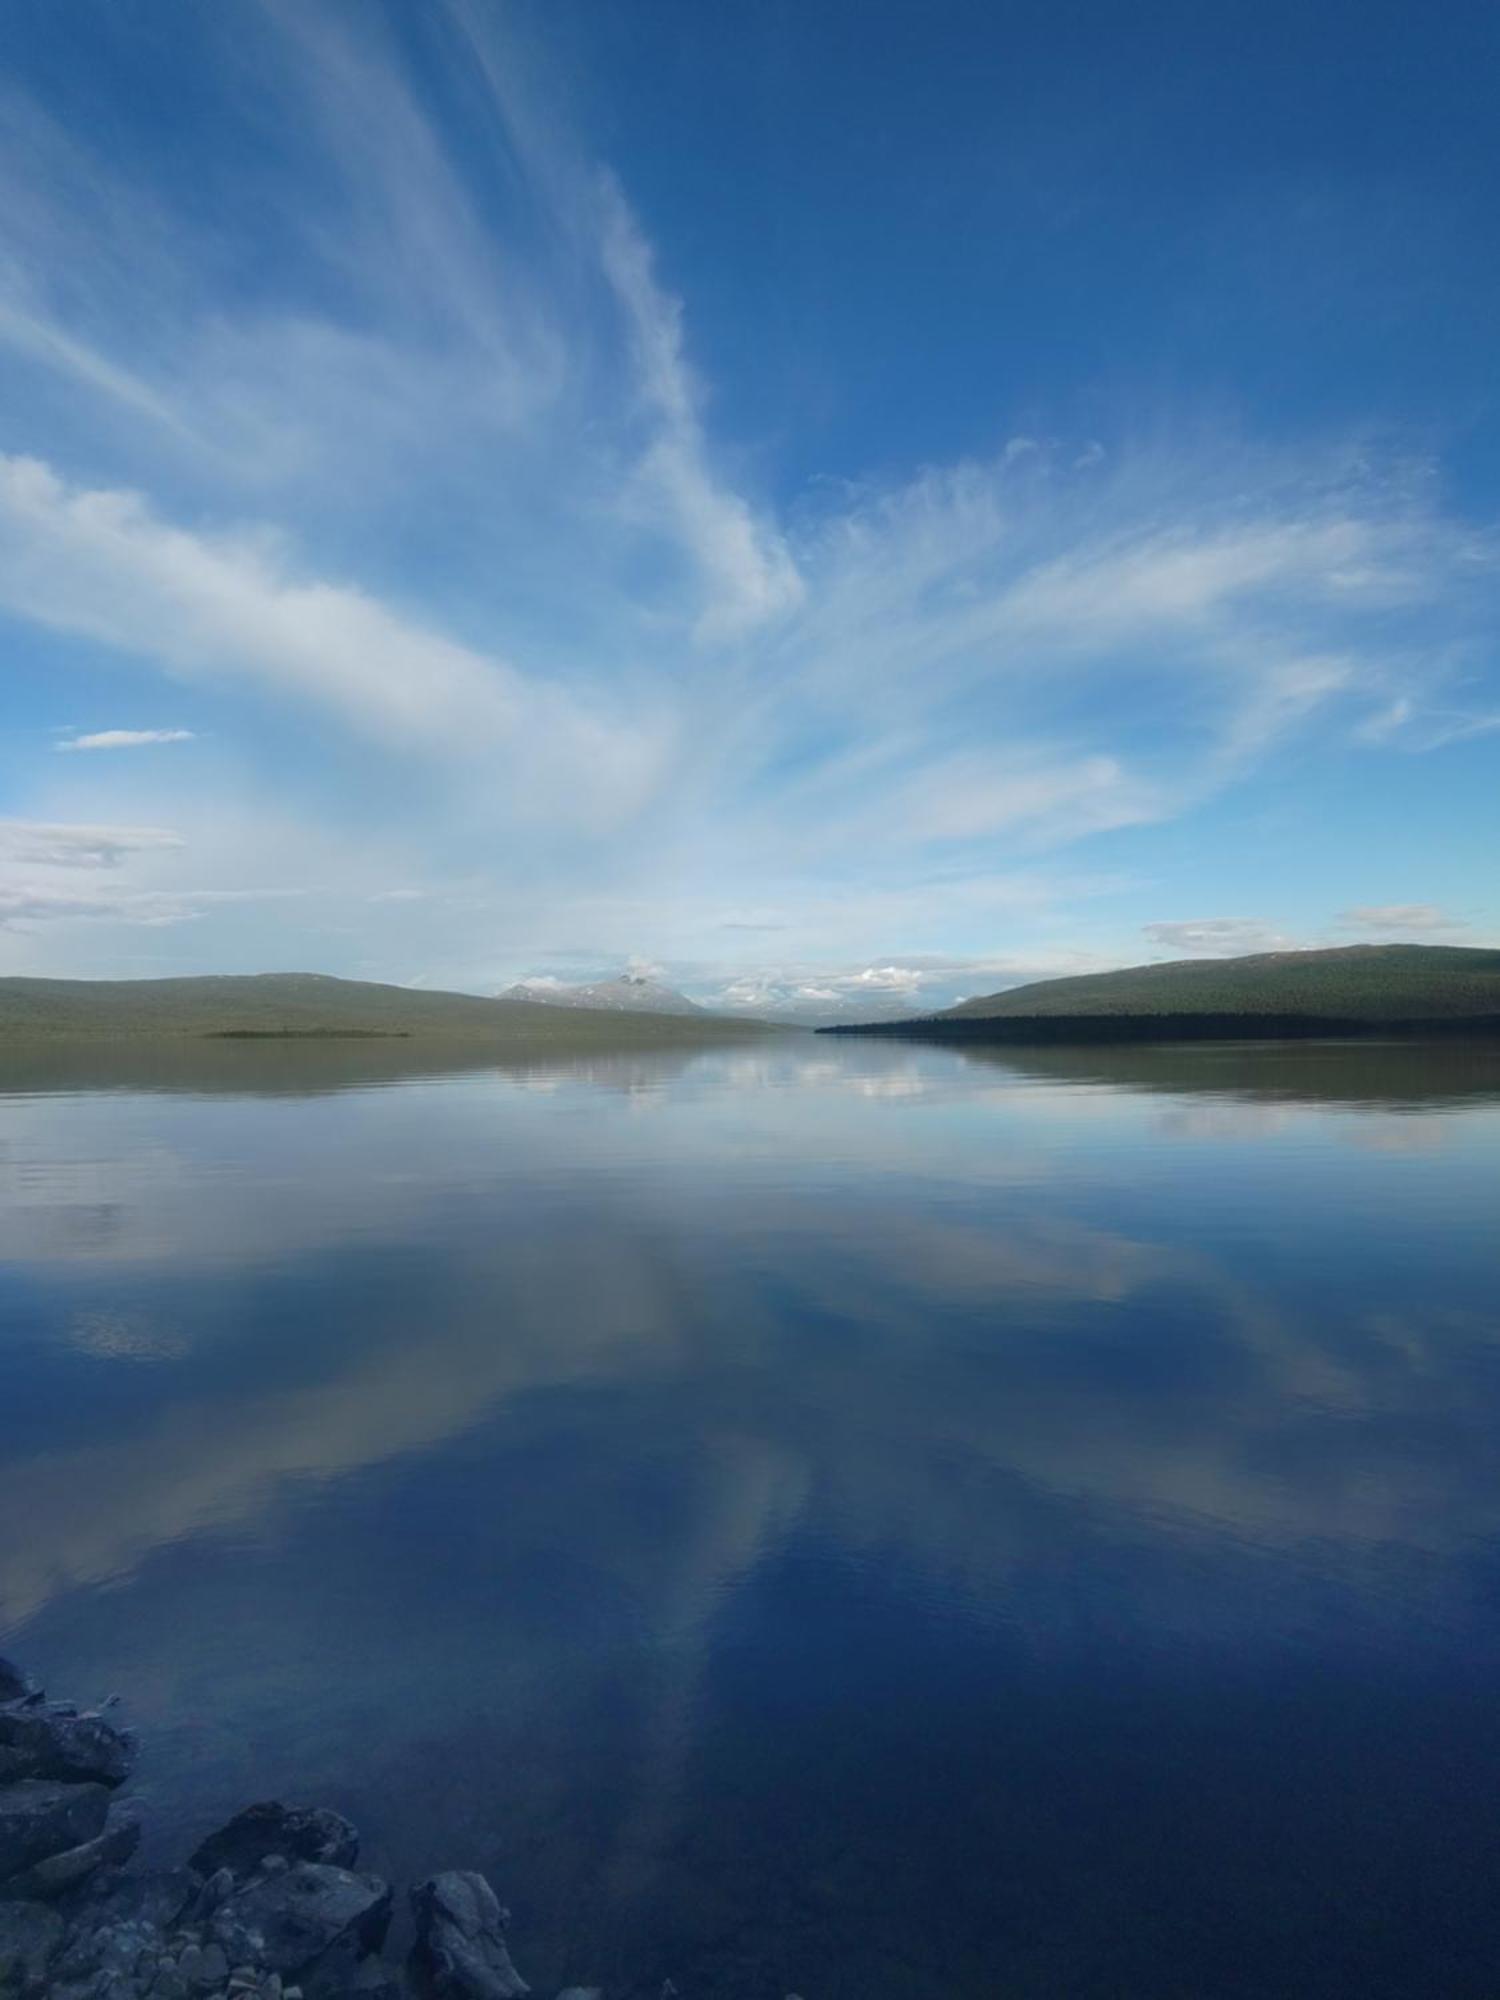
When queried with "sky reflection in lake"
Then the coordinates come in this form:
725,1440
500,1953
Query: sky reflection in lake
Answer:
834,1518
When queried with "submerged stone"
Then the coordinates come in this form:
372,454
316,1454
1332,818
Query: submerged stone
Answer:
460,1949
60,1872
39,1817
30,1935
14,1685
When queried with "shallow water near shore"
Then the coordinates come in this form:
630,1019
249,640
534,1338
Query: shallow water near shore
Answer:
842,1518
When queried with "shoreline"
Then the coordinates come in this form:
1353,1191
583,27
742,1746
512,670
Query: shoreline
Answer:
271,1907
1086,1030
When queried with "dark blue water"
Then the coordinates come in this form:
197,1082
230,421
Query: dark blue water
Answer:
828,1518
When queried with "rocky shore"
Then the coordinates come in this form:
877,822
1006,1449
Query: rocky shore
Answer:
271,1907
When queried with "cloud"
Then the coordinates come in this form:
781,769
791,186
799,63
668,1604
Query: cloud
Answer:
1409,724
30,905
63,846
1397,917
447,477
746,563
1218,937
103,564
126,739
818,994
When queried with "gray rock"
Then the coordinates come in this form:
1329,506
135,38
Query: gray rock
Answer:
219,1887
53,1740
460,1949
215,1964
30,1935
61,1872
313,1913
117,1932
371,1979
581,1993
39,1817
14,1685
299,1833
151,1903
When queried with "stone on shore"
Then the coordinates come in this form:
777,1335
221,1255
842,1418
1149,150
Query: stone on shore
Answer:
46,1739
30,1935
60,1872
307,1918
460,1952
40,1817
117,1928
14,1685
297,1833
269,1908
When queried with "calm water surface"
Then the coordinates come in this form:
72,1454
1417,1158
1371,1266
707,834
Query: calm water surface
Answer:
846,1519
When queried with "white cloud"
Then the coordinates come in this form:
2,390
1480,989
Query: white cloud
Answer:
126,739
1387,917
55,845
1218,937
101,563
745,562
1408,724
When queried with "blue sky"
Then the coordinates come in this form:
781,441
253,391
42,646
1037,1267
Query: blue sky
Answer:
847,505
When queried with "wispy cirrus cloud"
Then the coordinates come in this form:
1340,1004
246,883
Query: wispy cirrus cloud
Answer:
101,563
125,739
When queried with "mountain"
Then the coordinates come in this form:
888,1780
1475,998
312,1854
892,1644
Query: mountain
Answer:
1271,993
307,1005
630,993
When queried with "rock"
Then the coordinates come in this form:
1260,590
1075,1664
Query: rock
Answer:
299,1833
117,1933
60,1872
313,1913
55,1741
460,1948
39,1817
30,1935
215,1964
14,1685
371,1979
151,1902
219,1887
581,1993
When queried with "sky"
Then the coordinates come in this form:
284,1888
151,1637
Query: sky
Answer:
843,505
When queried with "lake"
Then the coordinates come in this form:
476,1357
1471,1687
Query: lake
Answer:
825,1517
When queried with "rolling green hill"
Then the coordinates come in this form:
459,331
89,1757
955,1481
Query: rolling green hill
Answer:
1368,982
1353,990
310,1006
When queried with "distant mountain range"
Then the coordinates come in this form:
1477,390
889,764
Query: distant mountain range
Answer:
307,1006
1352,987
630,993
